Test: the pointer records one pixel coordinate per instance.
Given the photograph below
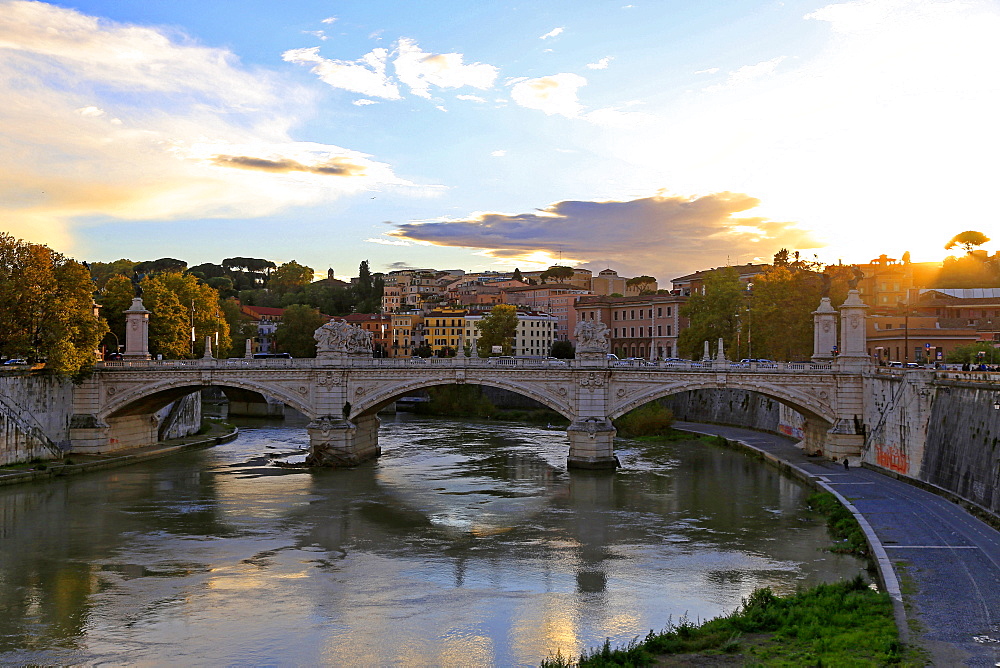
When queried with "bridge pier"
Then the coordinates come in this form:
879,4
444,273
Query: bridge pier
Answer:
591,444
334,441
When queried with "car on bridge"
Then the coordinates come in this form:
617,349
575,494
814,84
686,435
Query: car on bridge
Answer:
16,362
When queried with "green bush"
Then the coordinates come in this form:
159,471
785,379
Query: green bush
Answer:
652,419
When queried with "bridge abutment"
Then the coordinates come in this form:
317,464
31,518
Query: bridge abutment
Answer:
334,441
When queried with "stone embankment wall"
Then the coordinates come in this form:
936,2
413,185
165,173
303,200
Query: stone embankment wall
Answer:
35,412
735,407
942,432
34,416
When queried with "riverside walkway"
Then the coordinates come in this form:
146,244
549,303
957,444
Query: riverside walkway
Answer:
945,560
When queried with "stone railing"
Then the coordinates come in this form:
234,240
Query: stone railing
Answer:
468,362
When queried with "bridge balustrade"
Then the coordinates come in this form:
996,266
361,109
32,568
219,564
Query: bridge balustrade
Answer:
478,363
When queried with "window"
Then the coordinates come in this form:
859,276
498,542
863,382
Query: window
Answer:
668,332
631,315
616,315
616,332
632,332
659,330
659,312
668,311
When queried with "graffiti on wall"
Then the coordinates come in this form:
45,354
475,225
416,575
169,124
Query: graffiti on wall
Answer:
892,458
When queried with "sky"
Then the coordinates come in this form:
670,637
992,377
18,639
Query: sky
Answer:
651,137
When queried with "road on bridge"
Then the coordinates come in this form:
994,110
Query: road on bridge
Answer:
947,560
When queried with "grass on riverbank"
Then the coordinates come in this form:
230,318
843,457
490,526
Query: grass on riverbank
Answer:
841,524
845,623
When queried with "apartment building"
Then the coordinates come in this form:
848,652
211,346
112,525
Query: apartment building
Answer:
533,337
644,326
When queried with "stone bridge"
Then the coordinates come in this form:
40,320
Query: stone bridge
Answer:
113,409
342,390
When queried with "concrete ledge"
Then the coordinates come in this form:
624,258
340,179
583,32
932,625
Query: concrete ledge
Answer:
883,566
59,470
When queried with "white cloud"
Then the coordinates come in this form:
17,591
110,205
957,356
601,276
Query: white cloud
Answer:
441,108
92,112
555,32
388,242
107,120
363,102
470,98
366,75
749,73
329,19
316,33
710,70
555,94
601,64
499,153
420,70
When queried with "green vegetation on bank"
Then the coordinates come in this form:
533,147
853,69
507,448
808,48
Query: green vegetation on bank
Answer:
652,419
839,624
841,524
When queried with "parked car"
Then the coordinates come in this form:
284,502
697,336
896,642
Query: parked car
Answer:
554,361
272,356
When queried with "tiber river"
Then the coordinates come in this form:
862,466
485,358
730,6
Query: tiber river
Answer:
466,544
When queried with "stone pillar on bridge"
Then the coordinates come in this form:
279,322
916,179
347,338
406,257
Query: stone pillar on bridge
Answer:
824,331
137,331
592,435
853,338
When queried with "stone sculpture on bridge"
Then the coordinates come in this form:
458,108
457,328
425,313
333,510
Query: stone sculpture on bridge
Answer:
337,338
591,339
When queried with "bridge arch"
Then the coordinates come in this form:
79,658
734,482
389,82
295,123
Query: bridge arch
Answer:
808,406
150,398
369,405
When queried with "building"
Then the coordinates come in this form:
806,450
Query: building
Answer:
533,337
608,282
916,338
444,330
380,325
552,298
406,333
266,320
644,326
694,283
392,297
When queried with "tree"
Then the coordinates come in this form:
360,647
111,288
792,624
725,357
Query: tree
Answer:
368,290
206,313
248,272
497,329
562,350
644,284
290,277
102,272
164,264
967,240
295,331
969,353
517,275
778,323
169,321
46,306
558,272
240,328
115,298
208,270
712,314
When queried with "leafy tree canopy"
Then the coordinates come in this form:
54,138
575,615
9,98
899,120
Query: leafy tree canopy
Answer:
295,331
497,329
558,272
713,314
969,353
101,272
164,264
290,277
967,240
208,270
46,306
563,350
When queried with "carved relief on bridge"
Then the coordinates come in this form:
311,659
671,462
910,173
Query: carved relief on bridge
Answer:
593,381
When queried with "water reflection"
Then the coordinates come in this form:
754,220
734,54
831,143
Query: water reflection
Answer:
465,544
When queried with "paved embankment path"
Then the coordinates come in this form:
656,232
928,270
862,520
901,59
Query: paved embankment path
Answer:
946,561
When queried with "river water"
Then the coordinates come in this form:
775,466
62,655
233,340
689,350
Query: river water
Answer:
465,544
